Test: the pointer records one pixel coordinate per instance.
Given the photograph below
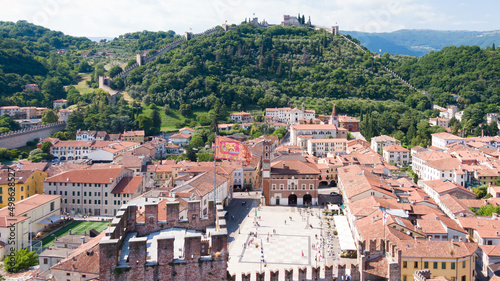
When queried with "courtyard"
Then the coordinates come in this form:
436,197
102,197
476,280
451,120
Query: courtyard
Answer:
278,238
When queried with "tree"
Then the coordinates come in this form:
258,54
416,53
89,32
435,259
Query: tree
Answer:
196,141
54,87
155,116
185,109
46,147
84,67
144,122
23,259
115,70
205,157
190,155
49,117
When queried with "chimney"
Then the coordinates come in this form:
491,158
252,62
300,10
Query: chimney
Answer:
110,180
83,240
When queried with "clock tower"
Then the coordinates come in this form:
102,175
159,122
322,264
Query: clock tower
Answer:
266,170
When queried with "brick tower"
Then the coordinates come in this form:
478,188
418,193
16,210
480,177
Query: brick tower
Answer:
266,170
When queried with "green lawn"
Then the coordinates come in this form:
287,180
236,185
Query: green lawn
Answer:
77,227
168,122
82,84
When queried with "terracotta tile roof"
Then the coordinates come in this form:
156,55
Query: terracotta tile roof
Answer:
200,185
133,133
345,118
128,185
42,166
279,109
24,206
424,209
447,136
87,176
86,132
432,155
431,226
377,267
180,136
357,179
384,138
479,222
344,141
317,127
491,250
293,167
484,172
186,129
445,164
395,148
131,162
472,203
372,227
73,143
436,249
84,259
455,205
444,186
20,177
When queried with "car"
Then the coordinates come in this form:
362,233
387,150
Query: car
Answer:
334,194
243,203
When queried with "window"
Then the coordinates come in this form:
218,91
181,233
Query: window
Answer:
274,186
105,194
50,192
22,188
404,278
426,264
78,201
435,265
65,201
415,265
73,193
45,261
463,264
51,206
73,201
78,193
452,265
443,265
84,201
405,265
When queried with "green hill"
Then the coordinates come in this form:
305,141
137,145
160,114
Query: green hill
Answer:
257,68
28,54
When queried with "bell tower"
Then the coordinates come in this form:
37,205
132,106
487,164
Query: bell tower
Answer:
266,170
334,118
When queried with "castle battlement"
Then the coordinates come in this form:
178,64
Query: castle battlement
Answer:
150,242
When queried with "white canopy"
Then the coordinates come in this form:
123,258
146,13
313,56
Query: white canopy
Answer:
344,232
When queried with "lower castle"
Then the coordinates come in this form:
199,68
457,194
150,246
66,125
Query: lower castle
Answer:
150,242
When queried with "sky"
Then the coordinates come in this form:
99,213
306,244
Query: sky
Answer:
110,18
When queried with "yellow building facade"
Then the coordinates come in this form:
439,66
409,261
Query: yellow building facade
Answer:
26,183
455,264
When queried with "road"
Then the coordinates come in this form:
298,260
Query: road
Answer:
239,211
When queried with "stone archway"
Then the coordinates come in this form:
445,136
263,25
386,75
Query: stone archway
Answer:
333,183
292,199
307,199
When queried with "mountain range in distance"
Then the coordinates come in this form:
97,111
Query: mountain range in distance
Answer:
420,42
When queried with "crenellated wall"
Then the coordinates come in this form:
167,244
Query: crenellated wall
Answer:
197,263
19,138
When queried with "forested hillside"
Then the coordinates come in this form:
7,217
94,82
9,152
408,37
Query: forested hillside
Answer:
28,55
252,67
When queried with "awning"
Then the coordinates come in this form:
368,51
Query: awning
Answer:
51,219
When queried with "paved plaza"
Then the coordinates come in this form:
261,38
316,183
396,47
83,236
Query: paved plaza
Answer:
287,245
